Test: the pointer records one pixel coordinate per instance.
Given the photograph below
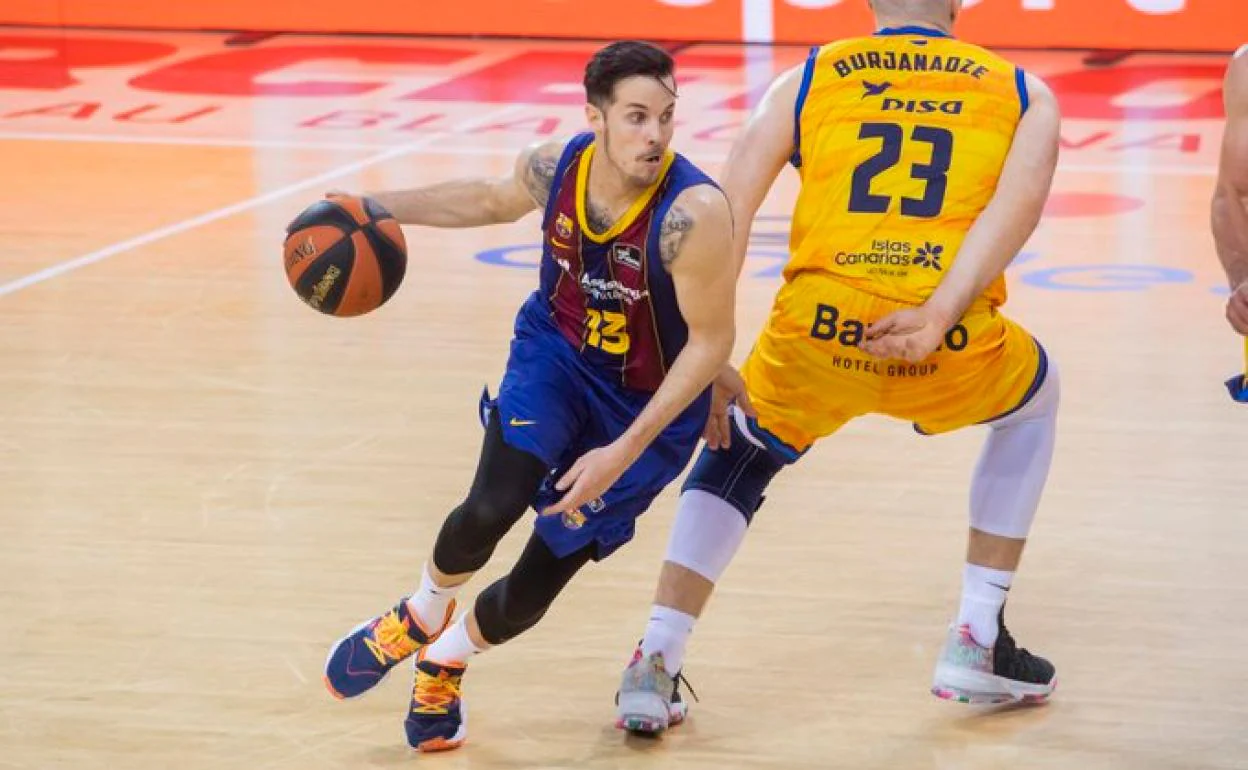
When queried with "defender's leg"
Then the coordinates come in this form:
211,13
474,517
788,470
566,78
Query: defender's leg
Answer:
723,491
981,662
804,387
996,374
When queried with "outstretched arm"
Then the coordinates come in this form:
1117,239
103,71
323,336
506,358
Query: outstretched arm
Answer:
697,247
479,201
1229,212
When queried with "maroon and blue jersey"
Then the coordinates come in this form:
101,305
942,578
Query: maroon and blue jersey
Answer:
608,293
591,346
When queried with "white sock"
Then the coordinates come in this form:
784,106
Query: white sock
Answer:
430,601
454,645
668,633
983,595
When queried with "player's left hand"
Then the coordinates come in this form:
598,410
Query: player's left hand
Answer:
727,389
1237,309
591,476
911,334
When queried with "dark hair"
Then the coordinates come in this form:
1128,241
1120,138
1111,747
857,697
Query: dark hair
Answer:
620,61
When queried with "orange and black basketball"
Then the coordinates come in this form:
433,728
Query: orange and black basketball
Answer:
345,255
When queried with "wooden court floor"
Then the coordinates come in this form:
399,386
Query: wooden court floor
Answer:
203,483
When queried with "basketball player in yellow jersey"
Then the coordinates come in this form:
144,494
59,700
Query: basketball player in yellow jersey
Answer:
925,163
1230,208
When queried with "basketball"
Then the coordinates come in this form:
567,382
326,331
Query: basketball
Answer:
345,256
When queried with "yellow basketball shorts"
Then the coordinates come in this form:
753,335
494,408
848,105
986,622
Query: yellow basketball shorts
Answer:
806,375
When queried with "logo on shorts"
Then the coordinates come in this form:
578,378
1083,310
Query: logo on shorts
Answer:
929,255
516,422
628,255
563,226
576,519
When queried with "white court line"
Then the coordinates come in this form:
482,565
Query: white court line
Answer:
190,141
419,145
160,233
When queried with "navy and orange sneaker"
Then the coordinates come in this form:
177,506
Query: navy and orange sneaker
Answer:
363,657
436,720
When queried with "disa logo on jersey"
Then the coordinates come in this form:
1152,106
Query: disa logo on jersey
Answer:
921,106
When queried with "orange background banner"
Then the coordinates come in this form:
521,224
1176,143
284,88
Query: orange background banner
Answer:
714,20
1202,25
1199,25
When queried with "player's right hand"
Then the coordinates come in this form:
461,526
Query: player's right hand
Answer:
1237,309
910,334
728,388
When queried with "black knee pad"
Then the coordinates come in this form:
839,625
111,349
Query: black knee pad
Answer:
466,541
504,610
474,528
505,483
738,475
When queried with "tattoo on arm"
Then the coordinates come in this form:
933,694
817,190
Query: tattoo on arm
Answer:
539,177
672,233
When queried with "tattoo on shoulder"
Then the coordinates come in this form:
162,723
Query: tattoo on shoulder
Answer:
539,177
672,233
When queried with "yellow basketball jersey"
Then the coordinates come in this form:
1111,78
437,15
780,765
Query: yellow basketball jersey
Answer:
901,138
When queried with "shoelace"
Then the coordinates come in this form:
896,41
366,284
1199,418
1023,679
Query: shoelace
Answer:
681,679
433,694
390,641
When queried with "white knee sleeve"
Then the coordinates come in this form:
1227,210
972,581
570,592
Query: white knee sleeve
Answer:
1014,464
706,535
